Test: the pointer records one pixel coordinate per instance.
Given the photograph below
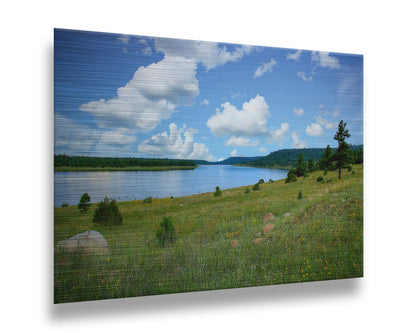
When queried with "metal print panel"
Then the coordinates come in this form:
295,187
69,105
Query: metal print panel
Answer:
188,165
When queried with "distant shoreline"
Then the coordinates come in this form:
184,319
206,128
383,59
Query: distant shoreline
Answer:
135,168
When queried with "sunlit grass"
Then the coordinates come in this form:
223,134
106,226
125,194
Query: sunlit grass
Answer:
321,239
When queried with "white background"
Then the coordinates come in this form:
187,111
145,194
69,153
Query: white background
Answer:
384,31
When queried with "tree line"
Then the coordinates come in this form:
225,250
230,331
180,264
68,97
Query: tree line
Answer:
116,162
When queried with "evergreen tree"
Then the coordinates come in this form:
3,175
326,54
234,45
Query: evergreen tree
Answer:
311,165
326,160
341,156
301,166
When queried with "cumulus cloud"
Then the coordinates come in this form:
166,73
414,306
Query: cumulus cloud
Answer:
298,111
262,149
124,39
209,54
264,68
314,129
204,102
149,97
323,59
294,56
179,143
238,141
280,134
296,141
250,121
234,153
326,123
303,76
79,139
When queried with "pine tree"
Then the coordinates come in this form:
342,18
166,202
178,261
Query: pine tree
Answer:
301,166
326,160
341,156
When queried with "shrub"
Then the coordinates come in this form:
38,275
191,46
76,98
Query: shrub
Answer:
256,187
84,203
166,233
300,196
261,181
349,168
64,204
247,190
147,200
270,181
320,179
325,172
107,213
291,176
217,192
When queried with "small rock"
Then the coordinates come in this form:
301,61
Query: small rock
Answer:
258,240
234,243
286,214
269,227
268,217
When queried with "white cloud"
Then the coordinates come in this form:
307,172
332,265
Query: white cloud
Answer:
326,123
175,146
73,138
149,97
303,76
124,39
334,113
296,141
264,68
321,106
238,141
323,59
234,153
262,149
207,53
280,134
298,111
294,56
204,102
314,130
250,121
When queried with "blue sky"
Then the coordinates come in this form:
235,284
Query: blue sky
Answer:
122,95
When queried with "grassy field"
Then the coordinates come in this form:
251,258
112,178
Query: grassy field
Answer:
321,238
133,168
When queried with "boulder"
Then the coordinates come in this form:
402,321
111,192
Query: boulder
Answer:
268,217
90,241
269,227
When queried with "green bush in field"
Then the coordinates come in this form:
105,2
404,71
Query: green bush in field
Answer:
291,176
271,181
84,203
256,187
147,200
166,233
247,190
107,213
320,179
217,192
300,196
64,204
261,181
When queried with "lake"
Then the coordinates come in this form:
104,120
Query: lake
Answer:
132,185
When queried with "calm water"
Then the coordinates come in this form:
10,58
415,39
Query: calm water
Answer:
130,185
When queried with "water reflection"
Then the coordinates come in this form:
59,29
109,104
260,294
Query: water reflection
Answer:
131,185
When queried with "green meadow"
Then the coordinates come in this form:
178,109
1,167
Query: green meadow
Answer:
220,243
